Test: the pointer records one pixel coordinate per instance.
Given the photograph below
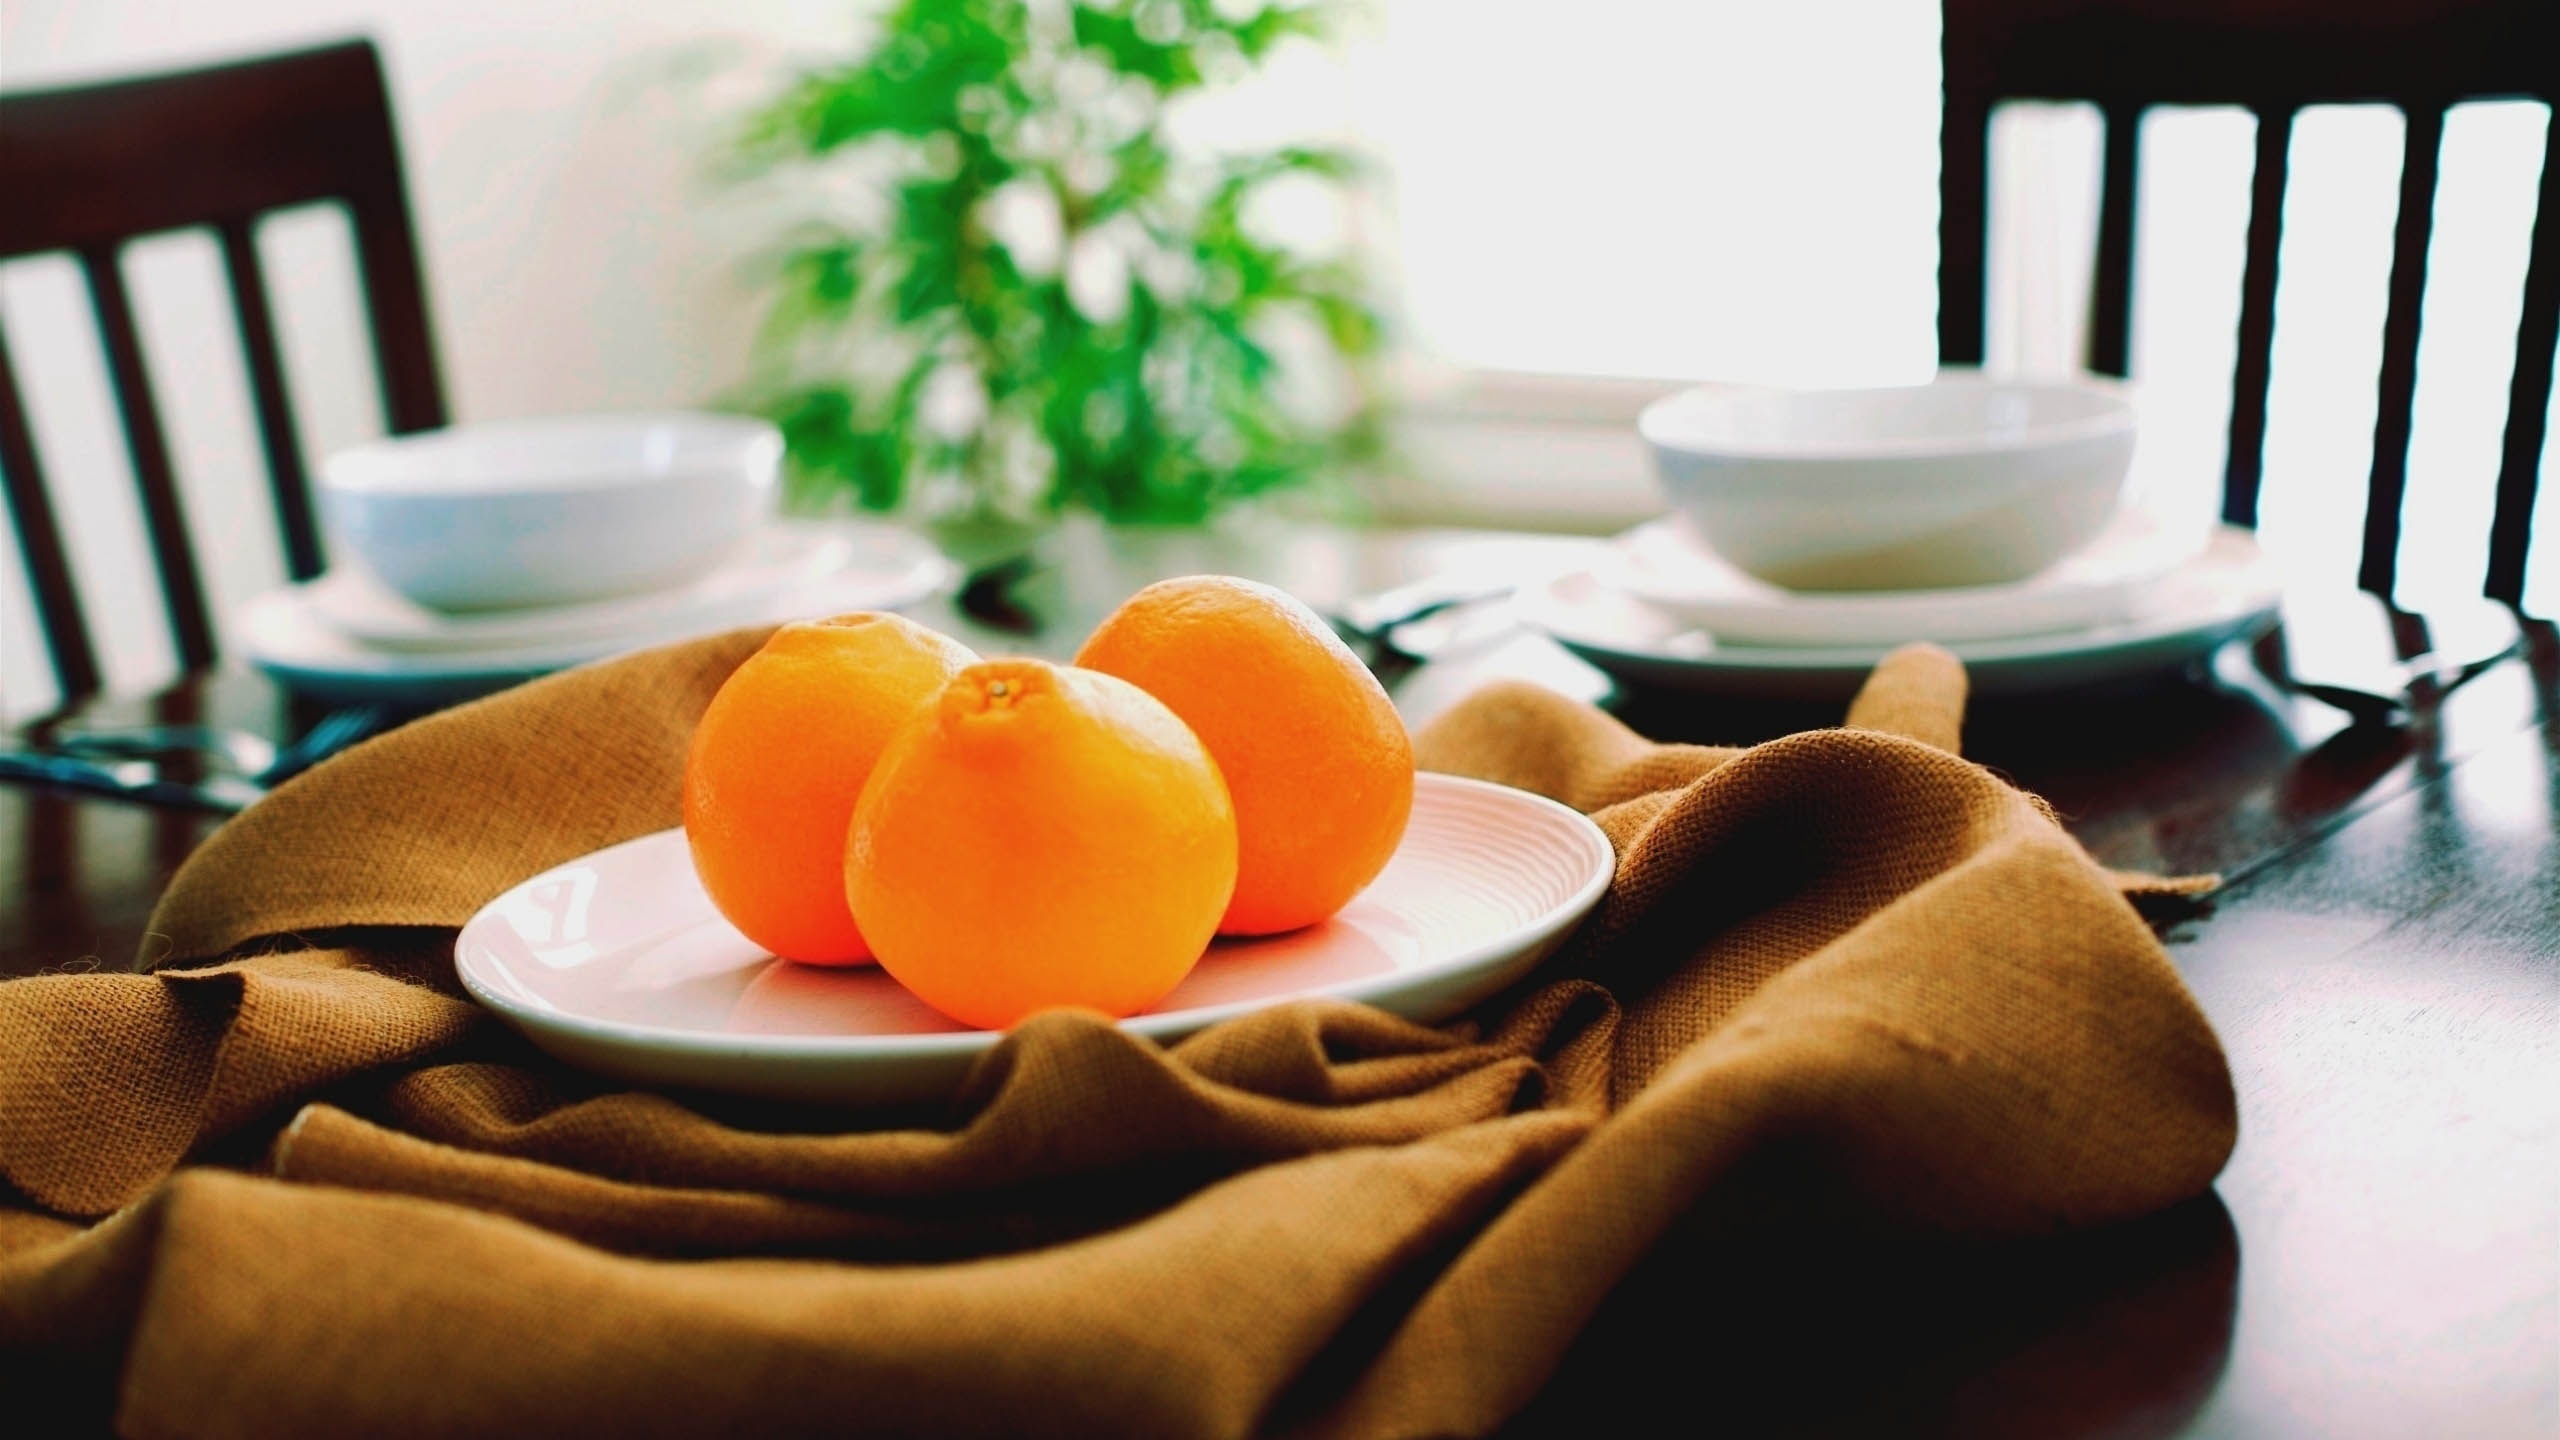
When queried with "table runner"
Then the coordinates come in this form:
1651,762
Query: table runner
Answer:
290,1182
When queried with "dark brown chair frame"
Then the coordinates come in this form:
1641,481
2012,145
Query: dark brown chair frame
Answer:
87,169
2274,57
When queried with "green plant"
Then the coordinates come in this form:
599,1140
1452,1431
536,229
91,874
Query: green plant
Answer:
940,351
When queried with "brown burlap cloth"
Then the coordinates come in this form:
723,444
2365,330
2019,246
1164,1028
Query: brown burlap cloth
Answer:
291,1183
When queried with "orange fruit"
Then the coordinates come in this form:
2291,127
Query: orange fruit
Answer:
1314,754
1040,836
778,760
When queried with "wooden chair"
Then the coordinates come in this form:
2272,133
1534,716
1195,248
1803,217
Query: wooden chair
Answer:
86,169
2274,57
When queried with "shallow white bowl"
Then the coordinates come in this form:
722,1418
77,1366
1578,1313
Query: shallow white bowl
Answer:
1963,481
516,513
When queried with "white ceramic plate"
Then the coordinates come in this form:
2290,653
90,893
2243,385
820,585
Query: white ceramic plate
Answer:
618,962
1664,564
292,635
2225,591
774,559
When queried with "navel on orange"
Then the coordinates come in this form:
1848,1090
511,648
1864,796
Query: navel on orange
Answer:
1314,755
778,761
1039,836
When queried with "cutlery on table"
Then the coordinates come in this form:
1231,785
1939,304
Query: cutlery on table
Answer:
1398,628
1382,627
125,763
235,752
986,594
2395,690
2338,649
135,780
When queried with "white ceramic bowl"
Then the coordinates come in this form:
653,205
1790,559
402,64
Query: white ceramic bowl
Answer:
516,513
1963,481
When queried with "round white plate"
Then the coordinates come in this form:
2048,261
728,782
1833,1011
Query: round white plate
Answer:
2226,590
287,634
1664,564
618,962
774,559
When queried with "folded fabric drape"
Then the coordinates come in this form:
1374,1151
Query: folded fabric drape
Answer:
291,1182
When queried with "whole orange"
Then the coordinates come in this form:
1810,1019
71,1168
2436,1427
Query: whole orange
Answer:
1314,754
1040,836
778,760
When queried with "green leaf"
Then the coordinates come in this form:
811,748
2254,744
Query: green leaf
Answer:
1267,27
830,448
1114,35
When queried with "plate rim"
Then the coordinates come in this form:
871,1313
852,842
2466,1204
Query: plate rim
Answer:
1156,1025
928,573
2105,599
823,552
1539,604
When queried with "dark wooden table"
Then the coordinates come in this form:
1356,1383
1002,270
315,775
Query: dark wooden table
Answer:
2382,1256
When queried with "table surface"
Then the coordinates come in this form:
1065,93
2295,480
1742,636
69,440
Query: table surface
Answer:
2381,1257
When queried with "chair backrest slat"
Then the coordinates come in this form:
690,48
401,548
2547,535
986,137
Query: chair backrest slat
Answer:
1964,160
164,517
2388,485
273,402
2529,389
2253,367
2111,284
88,168
396,307
58,612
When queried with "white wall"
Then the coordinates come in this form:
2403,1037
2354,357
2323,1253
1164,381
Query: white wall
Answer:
554,157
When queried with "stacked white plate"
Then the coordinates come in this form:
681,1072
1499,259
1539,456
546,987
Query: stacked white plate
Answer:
1663,609
347,636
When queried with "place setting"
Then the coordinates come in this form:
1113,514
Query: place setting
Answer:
1813,532
475,557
